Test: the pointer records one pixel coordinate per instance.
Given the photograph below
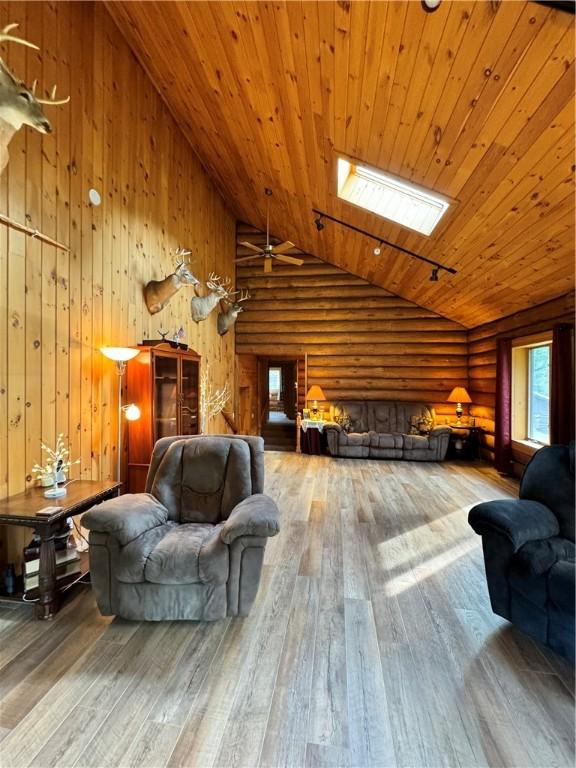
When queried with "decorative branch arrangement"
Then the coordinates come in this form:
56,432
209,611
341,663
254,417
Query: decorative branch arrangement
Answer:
57,464
212,401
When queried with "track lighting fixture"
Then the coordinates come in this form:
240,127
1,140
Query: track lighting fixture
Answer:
381,242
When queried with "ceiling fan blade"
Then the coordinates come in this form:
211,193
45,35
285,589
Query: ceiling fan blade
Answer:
247,258
268,265
288,259
283,247
252,247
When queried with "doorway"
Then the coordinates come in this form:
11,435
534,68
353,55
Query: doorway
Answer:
279,402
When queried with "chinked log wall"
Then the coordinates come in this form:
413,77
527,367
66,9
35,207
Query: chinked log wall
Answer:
482,359
361,341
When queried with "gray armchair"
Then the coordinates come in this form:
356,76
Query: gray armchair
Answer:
192,546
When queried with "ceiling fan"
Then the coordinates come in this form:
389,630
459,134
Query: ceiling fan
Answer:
269,251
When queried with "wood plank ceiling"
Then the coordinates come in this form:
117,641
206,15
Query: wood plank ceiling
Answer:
475,101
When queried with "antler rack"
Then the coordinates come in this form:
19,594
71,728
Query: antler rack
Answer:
31,232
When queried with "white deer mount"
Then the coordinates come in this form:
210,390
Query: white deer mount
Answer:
218,288
157,293
19,104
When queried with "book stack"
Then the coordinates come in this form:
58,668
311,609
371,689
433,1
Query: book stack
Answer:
67,562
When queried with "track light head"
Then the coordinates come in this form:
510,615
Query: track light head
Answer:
430,5
378,249
319,224
434,275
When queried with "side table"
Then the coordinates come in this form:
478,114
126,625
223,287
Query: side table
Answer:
464,442
23,508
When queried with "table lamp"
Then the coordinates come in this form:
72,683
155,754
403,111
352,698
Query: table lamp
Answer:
459,396
121,355
315,393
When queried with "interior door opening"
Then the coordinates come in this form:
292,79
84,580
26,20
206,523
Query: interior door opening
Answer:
278,402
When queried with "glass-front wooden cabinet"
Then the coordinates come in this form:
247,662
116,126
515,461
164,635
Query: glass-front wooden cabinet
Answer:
164,383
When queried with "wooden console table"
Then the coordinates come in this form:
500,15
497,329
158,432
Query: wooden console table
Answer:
22,509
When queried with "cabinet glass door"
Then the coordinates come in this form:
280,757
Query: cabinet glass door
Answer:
189,397
165,396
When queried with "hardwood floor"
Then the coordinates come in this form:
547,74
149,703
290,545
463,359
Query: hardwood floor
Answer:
371,643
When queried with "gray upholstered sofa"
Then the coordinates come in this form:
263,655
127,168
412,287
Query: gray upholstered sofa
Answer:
381,429
192,546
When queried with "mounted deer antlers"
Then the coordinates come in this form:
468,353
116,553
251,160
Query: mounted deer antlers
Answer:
157,293
201,306
230,311
18,104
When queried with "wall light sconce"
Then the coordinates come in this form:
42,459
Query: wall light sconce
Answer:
121,355
131,412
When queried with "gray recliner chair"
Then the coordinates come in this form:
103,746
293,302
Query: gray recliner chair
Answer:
192,546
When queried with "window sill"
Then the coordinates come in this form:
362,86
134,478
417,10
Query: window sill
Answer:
526,447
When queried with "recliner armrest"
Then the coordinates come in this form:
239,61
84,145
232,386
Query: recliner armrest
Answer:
435,431
332,425
126,517
519,520
257,515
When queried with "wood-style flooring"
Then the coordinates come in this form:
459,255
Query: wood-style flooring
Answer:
371,643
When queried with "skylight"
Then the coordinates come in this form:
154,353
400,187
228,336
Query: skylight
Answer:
390,197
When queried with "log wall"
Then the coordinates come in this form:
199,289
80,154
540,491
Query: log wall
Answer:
58,308
360,340
482,361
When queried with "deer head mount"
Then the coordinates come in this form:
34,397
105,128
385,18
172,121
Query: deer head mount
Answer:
229,313
19,104
219,289
157,293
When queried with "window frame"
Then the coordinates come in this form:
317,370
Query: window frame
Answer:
521,384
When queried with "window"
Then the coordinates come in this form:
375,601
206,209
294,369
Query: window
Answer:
539,394
390,197
531,390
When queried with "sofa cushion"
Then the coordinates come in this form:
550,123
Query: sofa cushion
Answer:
176,558
355,438
386,441
416,442
406,412
382,418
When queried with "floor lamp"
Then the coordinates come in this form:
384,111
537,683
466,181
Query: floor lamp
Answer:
121,355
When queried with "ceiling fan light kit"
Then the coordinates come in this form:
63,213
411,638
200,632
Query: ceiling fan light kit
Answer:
270,252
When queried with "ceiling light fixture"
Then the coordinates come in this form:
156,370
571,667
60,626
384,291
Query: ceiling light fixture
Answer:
430,5
381,241
319,223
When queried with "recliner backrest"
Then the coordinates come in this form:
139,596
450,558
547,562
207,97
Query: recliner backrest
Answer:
254,443
202,480
549,479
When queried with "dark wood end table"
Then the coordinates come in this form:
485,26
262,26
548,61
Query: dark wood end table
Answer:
22,509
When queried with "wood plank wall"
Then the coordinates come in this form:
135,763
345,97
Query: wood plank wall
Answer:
57,309
361,340
482,360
